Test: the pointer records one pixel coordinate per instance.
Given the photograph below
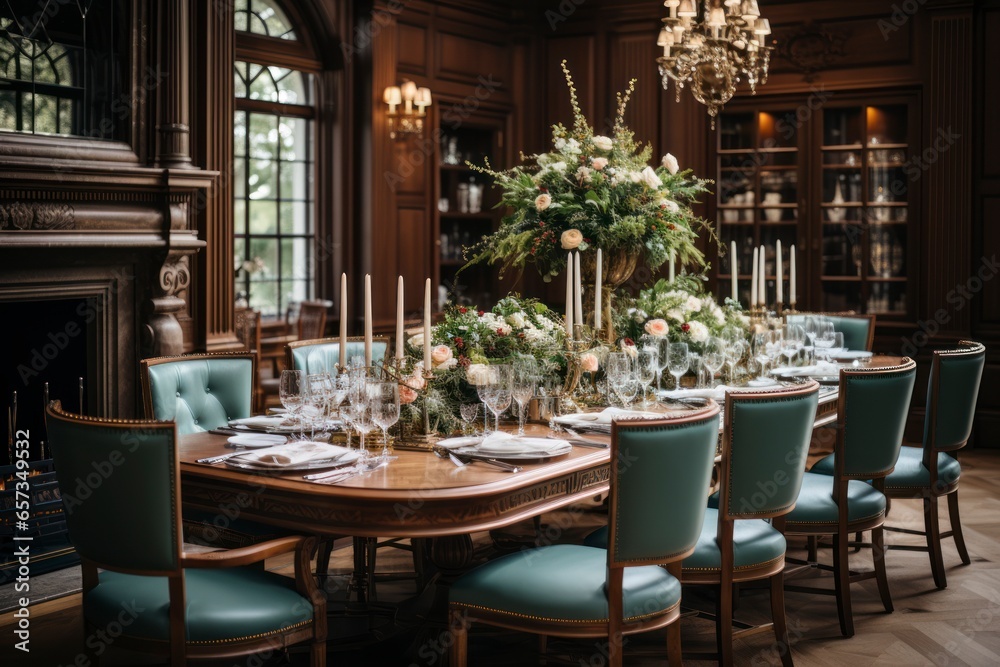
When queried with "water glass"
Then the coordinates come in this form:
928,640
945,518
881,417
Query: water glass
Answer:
679,361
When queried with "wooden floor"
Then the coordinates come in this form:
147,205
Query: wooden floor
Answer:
953,627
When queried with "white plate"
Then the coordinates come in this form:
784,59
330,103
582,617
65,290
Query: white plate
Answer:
557,449
852,354
257,440
270,424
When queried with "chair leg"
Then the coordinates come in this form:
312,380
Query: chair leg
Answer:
813,543
317,654
724,625
323,552
674,652
878,555
956,527
371,551
932,527
781,641
842,583
858,537
460,638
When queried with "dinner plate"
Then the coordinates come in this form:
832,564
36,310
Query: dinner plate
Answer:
267,424
257,440
557,449
462,441
851,355
348,458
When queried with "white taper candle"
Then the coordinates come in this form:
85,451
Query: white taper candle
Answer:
753,280
427,325
598,281
569,296
399,318
368,320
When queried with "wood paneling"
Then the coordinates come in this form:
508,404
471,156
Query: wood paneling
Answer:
412,263
412,48
633,56
464,58
579,53
947,181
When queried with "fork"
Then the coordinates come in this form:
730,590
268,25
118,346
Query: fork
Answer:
222,457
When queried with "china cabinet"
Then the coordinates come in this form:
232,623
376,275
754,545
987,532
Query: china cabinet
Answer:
837,180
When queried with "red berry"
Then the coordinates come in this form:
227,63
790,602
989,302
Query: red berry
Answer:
685,327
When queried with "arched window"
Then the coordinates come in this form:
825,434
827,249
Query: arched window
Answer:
275,155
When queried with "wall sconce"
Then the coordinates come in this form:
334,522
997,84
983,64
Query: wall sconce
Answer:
414,102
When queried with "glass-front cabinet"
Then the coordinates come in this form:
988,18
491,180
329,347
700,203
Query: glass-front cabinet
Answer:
839,181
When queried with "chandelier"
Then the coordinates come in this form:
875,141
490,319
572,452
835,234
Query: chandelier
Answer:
711,50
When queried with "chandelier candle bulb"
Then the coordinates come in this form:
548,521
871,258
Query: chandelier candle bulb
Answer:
578,299
597,290
791,275
753,281
732,267
569,296
399,318
427,326
779,277
368,320
343,320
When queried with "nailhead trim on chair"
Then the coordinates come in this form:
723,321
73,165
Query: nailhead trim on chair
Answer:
752,566
563,620
235,639
834,523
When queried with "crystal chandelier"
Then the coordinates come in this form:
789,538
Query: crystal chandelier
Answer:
712,50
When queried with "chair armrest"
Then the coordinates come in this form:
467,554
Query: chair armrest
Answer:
244,555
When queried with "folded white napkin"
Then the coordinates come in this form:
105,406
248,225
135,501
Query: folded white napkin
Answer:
293,454
718,393
819,368
607,415
507,443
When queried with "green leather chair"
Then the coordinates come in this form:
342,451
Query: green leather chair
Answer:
580,591
201,392
761,472
858,330
184,605
321,355
871,417
932,471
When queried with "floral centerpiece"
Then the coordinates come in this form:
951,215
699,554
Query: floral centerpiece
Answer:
465,343
680,310
594,191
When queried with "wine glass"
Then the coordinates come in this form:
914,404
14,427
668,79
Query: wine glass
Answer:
793,338
679,361
735,350
315,406
523,388
629,388
825,339
647,362
359,411
469,412
385,411
811,326
662,358
499,395
713,356
616,369
483,389
551,389
759,344
291,390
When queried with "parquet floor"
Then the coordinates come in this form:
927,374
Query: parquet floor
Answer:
954,627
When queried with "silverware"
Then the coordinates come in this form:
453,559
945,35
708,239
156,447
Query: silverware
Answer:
358,469
466,459
222,457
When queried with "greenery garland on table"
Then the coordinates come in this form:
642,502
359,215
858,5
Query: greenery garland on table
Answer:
593,191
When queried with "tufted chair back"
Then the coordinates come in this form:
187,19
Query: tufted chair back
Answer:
136,465
952,391
764,449
655,465
872,413
322,354
199,392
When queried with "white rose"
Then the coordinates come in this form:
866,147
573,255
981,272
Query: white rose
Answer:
670,163
603,143
516,320
693,304
599,163
559,166
503,328
675,314
543,201
649,178
635,176
451,363
417,340
559,143
534,335
670,205
698,332
583,174
477,374
719,316
572,147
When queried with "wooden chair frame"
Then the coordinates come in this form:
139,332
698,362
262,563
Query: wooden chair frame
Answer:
935,489
727,575
843,576
461,617
177,648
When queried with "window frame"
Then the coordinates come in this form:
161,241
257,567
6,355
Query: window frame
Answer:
299,55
